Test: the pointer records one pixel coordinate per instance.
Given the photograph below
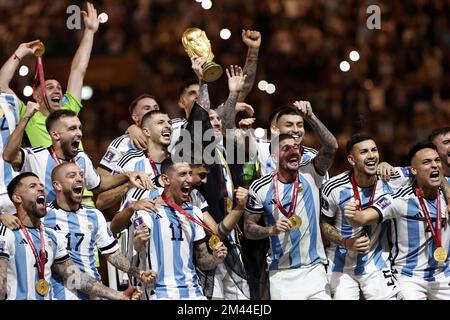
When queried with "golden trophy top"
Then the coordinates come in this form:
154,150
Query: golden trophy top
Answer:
40,49
197,44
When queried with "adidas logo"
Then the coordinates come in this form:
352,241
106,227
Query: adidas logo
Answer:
23,241
158,216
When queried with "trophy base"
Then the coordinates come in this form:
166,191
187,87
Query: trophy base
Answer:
211,71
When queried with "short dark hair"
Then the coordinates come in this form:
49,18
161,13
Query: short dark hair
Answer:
134,103
275,142
12,186
357,138
285,110
437,132
150,114
419,146
166,166
56,115
186,85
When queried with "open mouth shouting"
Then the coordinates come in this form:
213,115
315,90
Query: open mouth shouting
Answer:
166,135
75,145
371,165
435,176
55,101
40,202
185,191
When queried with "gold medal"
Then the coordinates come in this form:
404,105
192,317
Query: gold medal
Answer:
296,222
440,254
228,205
213,242
42,287
40,49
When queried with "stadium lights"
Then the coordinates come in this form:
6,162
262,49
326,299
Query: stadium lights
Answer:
262,85
354,55
206,4
259,133
86,93
27,91
103,17
270,88
23,71
344,66
225,34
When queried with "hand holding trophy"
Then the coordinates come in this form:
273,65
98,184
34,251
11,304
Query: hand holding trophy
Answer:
196,44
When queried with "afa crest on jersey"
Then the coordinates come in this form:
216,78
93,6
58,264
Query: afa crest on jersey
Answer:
383,202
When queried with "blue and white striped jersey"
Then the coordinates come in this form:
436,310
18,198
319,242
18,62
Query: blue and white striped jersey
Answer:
116,149
39,160
335,194
177,125
300,247
170,251
22,274
82,231
9,117
412,253
136,160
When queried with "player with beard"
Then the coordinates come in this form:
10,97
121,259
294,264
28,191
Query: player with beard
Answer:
31,254
359,257
421,233
83,228
157,128
54,99
288,200
65,130
227,284
440,137
134,140
169,238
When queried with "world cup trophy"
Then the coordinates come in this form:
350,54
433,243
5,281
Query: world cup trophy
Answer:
196,44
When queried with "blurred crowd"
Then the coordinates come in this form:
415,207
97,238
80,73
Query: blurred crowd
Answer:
398,91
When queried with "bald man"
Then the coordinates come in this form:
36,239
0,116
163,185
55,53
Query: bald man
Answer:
83,228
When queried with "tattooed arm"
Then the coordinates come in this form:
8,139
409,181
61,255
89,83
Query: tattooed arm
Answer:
206,261
252,230
253,40
203,97
121,262
327,226
3,277
324,159
74,278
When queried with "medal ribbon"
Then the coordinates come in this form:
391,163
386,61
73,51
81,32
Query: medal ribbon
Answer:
40,263
436,233
356,192
153,164
294,195
176,207
55,157
39,76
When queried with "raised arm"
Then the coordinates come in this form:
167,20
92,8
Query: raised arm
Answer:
81,59
253,41
74,278
9,68
254,231
12,153
329,145
206,261
236,79
203,97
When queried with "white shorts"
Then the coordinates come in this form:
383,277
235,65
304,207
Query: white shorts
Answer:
226,288
413,288
6,206
308,283
377,285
